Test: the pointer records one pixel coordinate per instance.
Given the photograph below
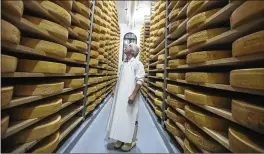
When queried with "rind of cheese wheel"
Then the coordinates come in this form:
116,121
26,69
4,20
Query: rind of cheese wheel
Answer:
4,124
203,36
78,44
92,71
92,89
8,63
76,56
84,22
190,147
80,70
158,102
97,11
248,78
9,32
73,83
247,12
82,33
158,93
95,45
245,141
37,66
100,57
160,66
38,110
175,116
49,48
207,99
250,44
159,75
72,97
85,11
176,76
94,54
199,19
101,51
15,7
175,103
173,129
95,36
96,28
159,84
204,56
202,140
48,144
173,26
175,89
38,89
161,57
193,6
176,62
59,12
206,119
55,30
37,131
204,77
174,13
158,112
90,99
248,114
66,4
97,19
6,95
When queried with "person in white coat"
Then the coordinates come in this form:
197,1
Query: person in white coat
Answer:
122,123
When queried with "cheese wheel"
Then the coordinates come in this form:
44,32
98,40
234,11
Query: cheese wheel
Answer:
4,124
48,144
247,12
175,103
76,56
54,30
203,36
9,32
95,36
176,62
245,141
14,7
206,119
6,95
249,114
60,13
37,131
193,6
176,49
92,80
96,28
95,45
38,89
250,44
92,71
173,26
176,76
78,44
158,112
85,11
202,77
97,19
173,129
90,99
38,110
158,93
158,102
82,33
93,62
202,140
66,4
36,66
159,84
90,107
72,97
190,147
49,48
174,13
94,54
79,70
175,89
84,22
199,19
98,11
248,78
200,98
73,83
159,75
204,56
92,89
8,63
175,116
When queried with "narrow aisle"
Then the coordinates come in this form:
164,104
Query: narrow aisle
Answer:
93,140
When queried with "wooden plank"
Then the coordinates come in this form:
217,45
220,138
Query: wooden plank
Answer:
24,147
180,30
71,114
156,70
182,128
180,141
155,57
159,47
181,40
69,126
28,74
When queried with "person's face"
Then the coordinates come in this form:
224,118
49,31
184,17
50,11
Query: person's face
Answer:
128,50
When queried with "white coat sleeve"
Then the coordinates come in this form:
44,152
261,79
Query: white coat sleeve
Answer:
140,73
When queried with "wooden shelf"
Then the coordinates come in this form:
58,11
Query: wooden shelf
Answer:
28,74
180,141
70,115
180,30
156,70
154,77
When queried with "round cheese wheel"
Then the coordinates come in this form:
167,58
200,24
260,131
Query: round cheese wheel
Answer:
49,48
73,83
158,112
78,44
76,56
78,70
160,66
85,11
84,22
159,75
97,19
176,49
92,71
159,84
202,77
66,4
250,44
249,114
247,12
190,147
175,116
90,99
193,6
48,144
174,13
204,56
202,140
91,89
13,7
203,36
175,103
176,62
176,76
94,54
95,45
59,12
100,57
173,129
158,93
38,89
93,62
96,28
98,11
92,80
175,89
6,95
53,29
8,63
82,33
36,66
95,37
9,32
37,131
245,141
248,78
206,119
4,124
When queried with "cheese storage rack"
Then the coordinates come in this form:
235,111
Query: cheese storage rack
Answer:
205,79
47,69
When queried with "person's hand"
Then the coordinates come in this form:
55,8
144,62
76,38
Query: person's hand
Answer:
131,99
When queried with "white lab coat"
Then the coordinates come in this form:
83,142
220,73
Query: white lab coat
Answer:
121,123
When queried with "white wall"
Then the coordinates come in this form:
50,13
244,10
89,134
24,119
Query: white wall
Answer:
125,29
